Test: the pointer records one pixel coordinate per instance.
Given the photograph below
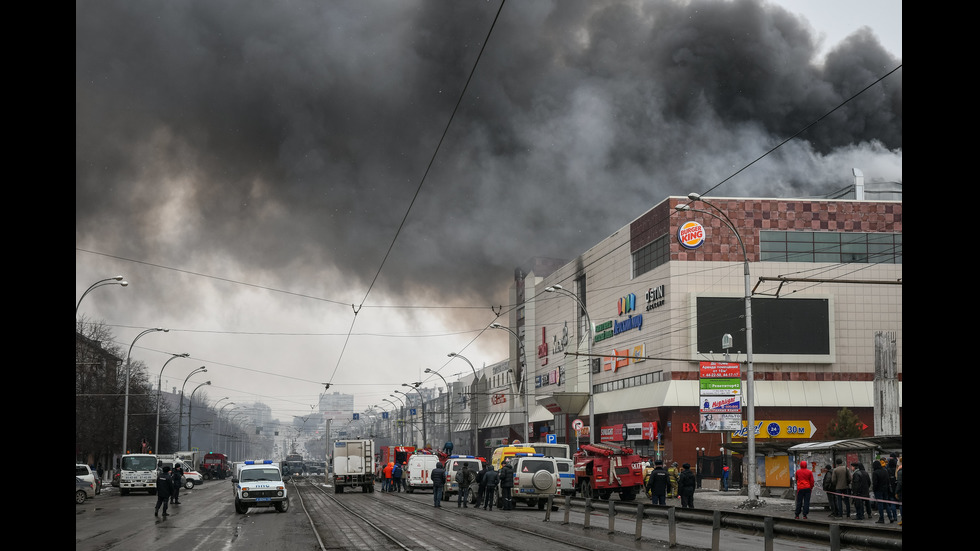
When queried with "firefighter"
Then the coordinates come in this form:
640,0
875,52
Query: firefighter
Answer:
673,471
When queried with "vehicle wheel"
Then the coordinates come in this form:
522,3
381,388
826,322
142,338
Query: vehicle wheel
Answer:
541,504
240,508
338,489
124,492
586,490
446,496
282,506
79,497
410,490
531,502
627,495
189,484
604,495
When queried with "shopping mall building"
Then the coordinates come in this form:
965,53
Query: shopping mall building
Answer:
666,297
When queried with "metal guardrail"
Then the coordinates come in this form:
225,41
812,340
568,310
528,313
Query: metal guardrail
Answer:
834,534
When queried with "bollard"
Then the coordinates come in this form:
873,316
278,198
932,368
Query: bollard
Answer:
612,517
769,533
671,527
588,513
568,508
547,513
835,537
639,522
716,531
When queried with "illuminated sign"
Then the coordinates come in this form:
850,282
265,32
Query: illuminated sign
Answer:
690,235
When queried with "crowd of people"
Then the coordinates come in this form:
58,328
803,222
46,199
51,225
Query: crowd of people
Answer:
881,489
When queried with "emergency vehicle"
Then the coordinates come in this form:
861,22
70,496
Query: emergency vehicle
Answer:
259,484
604,468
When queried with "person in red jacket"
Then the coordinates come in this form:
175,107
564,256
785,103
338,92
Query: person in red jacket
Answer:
804,487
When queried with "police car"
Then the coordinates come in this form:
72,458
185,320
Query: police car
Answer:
453,465
259,484
535,478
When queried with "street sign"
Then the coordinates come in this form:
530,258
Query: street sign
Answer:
552,438
779,429
577,424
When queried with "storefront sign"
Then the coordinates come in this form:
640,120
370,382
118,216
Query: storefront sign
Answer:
721,370
729,404
690,235
655,297
720,387
778,429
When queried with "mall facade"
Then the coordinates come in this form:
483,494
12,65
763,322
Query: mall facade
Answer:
666,298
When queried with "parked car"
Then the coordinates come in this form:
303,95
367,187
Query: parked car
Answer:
83,490
85,472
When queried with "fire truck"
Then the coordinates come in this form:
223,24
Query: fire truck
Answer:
215,466
601,469
392,454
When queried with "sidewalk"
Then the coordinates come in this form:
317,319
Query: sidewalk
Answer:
734,500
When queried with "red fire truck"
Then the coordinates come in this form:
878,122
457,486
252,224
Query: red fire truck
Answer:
601,469
215,466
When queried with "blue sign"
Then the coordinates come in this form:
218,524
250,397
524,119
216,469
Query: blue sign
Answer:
384,414
552,438
357,416
412,411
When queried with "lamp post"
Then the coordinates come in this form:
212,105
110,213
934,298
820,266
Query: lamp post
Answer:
523,378
213,429
401,425
118,280
156,437
394,407
408,401
219,421
474,401
559,289
190,408
180,408
422,400
449,404
126,400
753,493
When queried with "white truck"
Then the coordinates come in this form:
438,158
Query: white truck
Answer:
352,465
419,471
138,472
192,458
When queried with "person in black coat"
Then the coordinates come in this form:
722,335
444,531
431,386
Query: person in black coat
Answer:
438,478
481,485
882,489
165,486
658,483
860,489
686,484
490,480
507,486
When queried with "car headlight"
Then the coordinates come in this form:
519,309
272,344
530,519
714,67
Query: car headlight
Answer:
244,492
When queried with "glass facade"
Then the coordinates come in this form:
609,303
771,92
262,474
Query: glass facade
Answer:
831,247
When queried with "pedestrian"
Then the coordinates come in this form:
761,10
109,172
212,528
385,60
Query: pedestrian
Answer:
507,486
481,485
100,471
860,488
386,487
841,478
898,488
396,477
892,468
686,484
405,476
673,471
724,478
165,486
177,473
490,479
804,488
880,486
448,448
464,478
827,483
438,478
658,483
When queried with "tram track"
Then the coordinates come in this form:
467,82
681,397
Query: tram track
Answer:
374,520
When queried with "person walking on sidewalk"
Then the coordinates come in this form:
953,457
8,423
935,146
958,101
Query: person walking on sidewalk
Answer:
804,487
686,484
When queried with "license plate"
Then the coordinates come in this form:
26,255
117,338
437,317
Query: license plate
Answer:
526,491
263,499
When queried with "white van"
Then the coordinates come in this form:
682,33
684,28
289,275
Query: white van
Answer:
566,476
453,465
419,471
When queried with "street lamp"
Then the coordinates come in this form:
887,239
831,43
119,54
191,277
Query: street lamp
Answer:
394,408
449,404
422,400
559,289
180,408
523,377
126,400
156,437
215,406
753,493
401,424
474,401
219,421
190,408
408,401
118,280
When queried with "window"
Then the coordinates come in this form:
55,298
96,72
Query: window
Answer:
650,256
831,247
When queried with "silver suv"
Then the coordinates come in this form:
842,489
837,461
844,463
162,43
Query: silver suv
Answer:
535,478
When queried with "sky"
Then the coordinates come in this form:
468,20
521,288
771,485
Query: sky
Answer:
308,192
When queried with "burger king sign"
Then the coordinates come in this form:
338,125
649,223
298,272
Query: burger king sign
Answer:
690,235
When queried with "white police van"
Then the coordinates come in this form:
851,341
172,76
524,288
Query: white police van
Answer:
455,464
259,484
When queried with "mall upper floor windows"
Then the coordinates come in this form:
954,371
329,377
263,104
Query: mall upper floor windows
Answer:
833,247
650,256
